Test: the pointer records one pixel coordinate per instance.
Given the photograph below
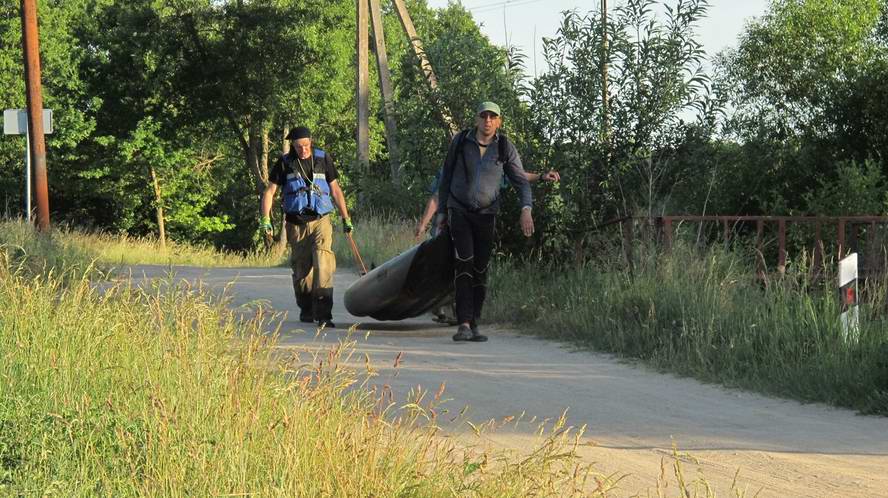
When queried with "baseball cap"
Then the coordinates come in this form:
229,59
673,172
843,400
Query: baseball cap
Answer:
490,107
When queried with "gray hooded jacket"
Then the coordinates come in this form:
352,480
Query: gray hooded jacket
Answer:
472,183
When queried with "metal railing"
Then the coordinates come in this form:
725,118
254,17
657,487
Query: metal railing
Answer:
847,230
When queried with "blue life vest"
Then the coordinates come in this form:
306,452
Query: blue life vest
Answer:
306,196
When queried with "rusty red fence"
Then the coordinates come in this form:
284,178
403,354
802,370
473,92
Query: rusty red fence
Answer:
847,229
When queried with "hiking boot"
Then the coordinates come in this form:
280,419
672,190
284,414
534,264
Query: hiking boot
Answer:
326,323
463,333
306,318
476,336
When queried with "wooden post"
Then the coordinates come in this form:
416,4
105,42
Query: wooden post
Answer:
781,246
841,239
667,232
385,84
627,244
363,88
416,43
31,49
818,247
760,248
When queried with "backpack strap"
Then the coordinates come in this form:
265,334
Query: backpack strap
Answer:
502,148
460,141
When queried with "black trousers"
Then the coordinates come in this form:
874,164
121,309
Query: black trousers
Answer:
472,235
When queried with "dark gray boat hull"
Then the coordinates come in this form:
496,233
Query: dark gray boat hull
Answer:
407,285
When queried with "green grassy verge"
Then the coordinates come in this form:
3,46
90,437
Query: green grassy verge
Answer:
164,392
707,317
67,249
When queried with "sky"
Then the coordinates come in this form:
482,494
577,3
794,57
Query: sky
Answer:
526,22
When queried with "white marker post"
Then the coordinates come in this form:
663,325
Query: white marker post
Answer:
849,317
15,122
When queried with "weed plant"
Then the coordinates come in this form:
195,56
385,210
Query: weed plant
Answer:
35,254
706,315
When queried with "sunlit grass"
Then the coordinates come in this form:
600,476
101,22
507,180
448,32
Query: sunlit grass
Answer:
65,249
165,392
706,315
378,238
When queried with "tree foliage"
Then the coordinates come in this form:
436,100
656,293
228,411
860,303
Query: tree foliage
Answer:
803,85
620,160
198,93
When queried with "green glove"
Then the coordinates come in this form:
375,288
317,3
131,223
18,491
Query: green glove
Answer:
347,225
265,223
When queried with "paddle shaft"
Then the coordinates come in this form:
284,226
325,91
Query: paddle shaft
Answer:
354,249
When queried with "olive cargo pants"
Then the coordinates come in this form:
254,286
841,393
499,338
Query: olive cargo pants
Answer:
313,264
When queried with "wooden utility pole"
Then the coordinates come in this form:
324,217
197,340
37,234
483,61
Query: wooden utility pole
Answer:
363,87
416,43
385,84
363,93
31,48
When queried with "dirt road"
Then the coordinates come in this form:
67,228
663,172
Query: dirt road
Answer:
633,416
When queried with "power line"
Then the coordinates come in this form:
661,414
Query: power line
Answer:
501,4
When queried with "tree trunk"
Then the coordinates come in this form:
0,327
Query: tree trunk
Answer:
263,157
281,245
158,205
254,158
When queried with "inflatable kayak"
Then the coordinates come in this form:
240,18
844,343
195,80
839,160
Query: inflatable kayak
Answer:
407,285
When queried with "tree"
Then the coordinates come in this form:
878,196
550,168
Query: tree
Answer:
656,80
791,63
804,85
453,44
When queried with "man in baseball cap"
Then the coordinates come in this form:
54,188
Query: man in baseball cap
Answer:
468,194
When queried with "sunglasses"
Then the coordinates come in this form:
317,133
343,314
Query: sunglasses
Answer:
488,115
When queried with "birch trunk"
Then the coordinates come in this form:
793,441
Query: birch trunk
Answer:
158,206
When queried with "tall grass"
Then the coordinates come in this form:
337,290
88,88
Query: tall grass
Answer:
66,246
167,391
378,238
708,317
38,253
164,392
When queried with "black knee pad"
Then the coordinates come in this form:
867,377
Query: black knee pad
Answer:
463,268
